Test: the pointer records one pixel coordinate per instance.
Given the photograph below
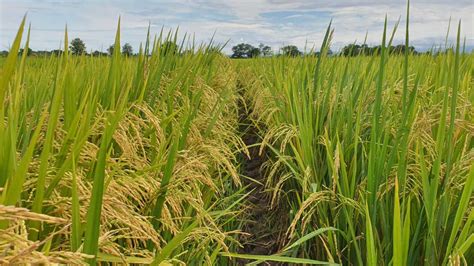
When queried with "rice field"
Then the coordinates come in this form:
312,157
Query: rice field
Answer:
187,157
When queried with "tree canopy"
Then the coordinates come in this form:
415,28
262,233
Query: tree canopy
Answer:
242,50
127,49
364,49
245,50
265,50
77,46
291,50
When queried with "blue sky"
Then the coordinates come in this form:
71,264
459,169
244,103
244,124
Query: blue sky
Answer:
273,22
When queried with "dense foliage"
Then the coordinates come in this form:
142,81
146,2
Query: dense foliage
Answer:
123,159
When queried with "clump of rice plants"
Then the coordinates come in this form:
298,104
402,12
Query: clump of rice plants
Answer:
373,154
118,159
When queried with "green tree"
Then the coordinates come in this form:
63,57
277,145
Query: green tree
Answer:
265,50
290,50
254,52
77,46
243,50
127,50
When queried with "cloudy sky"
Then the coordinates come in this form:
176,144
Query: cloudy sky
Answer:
273,22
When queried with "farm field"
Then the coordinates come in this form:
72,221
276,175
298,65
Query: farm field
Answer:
183,156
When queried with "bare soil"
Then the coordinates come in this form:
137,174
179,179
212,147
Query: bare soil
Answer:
264,226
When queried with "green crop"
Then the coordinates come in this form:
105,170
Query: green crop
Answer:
138,159
118,159
378,147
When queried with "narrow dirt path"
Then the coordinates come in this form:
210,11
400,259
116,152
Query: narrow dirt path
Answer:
264,225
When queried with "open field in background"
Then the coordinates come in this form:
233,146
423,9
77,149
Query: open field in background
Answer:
164,158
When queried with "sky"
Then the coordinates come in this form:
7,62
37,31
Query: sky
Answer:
273,22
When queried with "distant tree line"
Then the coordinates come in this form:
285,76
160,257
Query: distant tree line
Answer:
241,50
244,50
76,47
364,49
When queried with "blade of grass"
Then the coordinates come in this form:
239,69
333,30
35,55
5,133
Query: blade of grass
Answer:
276,259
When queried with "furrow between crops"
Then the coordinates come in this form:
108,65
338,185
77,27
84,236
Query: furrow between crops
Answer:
263,226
